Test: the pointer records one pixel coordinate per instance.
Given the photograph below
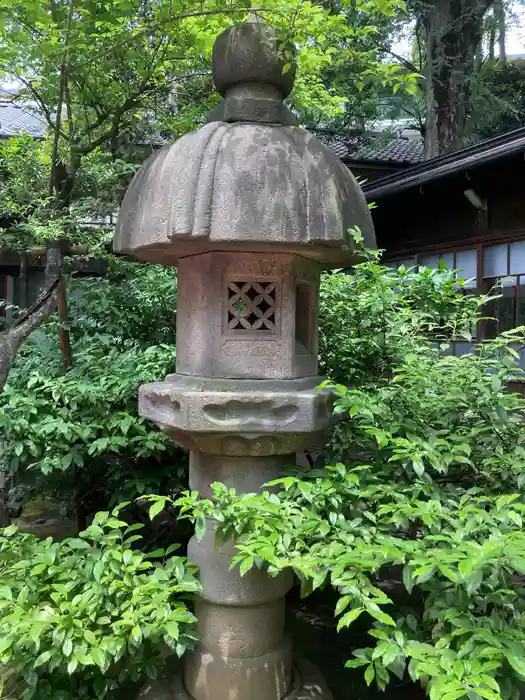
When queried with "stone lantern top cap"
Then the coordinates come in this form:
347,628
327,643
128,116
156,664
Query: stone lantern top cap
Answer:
250,180
251,53
254,71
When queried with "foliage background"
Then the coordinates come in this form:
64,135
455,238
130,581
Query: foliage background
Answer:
76,433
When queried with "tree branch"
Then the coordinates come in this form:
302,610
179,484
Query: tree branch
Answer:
404,61
41,103
53,183
13,339
184,15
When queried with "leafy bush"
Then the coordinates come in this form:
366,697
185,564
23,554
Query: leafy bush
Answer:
417,524
370,320
80,428
80,617
133,302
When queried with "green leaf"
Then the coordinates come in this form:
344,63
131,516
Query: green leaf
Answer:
369,674
200,528
348,618
42,659
380,615
342,604
487,693
90,637
517,663
408,578
6,593
454,694
99,657
98,570
156,508
173,630
79,544
246,565
495,384
67,647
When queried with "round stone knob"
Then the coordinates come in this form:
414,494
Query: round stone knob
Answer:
251,53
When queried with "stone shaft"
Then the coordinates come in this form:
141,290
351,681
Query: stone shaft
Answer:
243,650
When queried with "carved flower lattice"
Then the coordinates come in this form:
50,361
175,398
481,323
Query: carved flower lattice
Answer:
251,306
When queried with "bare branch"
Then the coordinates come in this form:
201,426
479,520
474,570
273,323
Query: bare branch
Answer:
404,61
38,98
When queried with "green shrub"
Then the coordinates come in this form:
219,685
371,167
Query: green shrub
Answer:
80,617
80,428
418,522
133,302
370,320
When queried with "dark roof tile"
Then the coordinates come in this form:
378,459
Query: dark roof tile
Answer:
16,120
504,145
369,148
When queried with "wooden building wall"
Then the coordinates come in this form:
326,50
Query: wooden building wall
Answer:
436,222
438,216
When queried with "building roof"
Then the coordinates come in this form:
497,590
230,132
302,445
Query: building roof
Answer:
15,119
367,148
374,148
460,161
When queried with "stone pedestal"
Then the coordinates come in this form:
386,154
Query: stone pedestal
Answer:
250,208
243,433
307,684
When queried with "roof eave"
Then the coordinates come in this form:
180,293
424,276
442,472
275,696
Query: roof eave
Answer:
379,163
430,171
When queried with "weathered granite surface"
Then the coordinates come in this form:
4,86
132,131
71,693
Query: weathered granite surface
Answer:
247,180
250,208
229,419
237,186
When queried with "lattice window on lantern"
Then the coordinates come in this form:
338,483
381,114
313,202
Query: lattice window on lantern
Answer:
251,306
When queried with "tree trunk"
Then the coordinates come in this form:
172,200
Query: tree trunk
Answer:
499,16
5,518
23,281
13,339
492,41
454,30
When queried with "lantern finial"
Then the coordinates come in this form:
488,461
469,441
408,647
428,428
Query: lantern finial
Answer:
254,71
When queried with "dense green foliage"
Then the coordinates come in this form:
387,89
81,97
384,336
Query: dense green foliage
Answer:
369,321
419,490
79,428
30,216
82,616
121,71
76,433
498,99
424,493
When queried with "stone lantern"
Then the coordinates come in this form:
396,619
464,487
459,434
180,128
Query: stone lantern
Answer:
250,208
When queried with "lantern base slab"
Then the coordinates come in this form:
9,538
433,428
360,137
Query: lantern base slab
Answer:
307,684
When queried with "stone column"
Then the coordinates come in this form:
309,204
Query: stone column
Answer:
243,651
250,208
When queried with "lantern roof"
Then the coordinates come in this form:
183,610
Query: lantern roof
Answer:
250,179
